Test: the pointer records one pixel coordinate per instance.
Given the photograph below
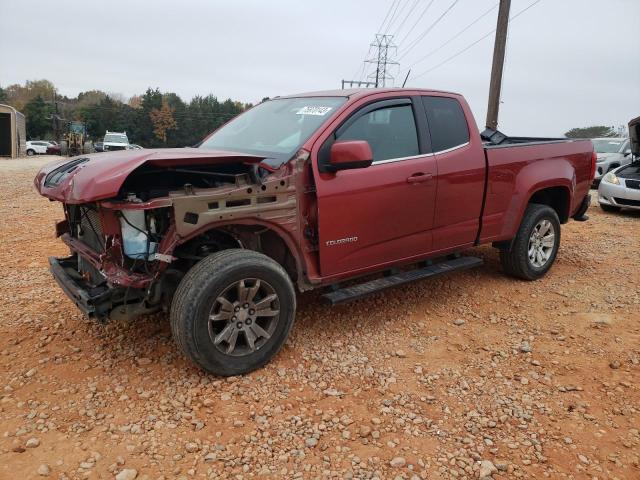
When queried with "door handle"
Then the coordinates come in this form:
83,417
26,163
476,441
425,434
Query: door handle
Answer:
420,177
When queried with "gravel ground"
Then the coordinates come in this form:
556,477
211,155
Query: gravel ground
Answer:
469,376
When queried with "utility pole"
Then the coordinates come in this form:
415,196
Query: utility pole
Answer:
498,64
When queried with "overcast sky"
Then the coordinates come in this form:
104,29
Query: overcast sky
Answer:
569,62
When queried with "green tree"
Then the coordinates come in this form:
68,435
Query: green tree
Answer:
152,99
591,132
38,116
180,136
90,97
3,95
112,115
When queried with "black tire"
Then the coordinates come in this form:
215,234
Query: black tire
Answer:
198,295
31,152
516,261
610,208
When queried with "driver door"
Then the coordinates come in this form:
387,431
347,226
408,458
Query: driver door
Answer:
381,214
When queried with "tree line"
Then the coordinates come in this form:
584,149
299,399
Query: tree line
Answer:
152,119
596,131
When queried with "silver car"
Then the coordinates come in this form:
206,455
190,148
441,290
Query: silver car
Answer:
612,152
620,188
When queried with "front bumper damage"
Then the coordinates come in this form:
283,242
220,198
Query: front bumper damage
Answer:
121,293
94,302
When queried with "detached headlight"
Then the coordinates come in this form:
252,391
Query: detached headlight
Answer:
611,178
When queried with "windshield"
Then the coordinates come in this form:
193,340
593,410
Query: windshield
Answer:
116,138
607,146
275,129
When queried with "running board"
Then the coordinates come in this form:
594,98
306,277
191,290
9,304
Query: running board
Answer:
355,292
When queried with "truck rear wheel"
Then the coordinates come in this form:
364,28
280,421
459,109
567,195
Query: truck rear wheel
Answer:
233,311
536,244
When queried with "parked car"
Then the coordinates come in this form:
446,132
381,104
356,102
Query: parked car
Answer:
306,191
115,141
620,188
98,147
54,149
34,147
612,153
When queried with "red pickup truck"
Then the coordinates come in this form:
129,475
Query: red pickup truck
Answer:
307,190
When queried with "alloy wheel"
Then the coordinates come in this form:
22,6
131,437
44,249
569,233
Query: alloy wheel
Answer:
243,317
541,243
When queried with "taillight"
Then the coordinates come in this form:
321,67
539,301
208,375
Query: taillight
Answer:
594,158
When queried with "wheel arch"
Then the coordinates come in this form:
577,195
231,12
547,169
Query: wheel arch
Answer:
258,236
557,197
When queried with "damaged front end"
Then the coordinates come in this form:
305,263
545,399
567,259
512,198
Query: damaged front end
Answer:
115,264
132,244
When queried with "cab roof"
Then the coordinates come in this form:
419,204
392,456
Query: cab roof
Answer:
354,93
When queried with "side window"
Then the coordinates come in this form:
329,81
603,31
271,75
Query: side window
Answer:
391,132
447,123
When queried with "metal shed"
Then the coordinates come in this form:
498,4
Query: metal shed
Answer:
12,132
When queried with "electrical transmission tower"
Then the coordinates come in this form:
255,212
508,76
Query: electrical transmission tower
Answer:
383,57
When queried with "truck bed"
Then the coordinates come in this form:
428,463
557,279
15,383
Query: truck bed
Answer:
517,166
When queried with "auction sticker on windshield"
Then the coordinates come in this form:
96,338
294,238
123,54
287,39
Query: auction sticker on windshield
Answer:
313,110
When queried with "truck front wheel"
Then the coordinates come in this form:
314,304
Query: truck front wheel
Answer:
536,244
233,311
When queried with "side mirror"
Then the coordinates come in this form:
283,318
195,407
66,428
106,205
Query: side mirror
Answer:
349,154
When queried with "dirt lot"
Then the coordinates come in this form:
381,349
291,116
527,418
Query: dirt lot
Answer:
435,380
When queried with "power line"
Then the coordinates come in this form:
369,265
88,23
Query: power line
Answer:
413,44
435,50
393,16
387,15
455,55
406,17
363,66
460,52
416,22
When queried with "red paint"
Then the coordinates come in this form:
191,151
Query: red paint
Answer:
349,151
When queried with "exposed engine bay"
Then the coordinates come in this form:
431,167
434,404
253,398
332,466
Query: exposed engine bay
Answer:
131,251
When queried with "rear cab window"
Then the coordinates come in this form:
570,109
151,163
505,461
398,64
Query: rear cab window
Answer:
447,123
